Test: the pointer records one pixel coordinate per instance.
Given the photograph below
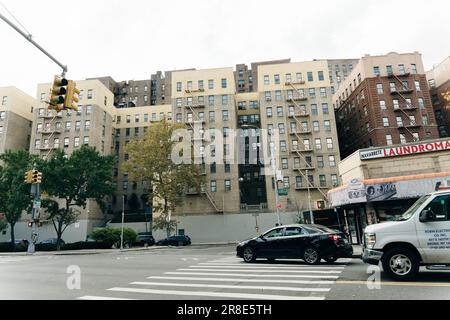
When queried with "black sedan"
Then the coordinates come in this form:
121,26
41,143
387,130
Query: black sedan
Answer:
296,242
175,241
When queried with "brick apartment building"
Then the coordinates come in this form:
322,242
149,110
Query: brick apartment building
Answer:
384,101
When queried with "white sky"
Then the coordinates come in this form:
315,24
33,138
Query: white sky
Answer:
131,39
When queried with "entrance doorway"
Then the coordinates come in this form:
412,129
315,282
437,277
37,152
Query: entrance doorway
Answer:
356,221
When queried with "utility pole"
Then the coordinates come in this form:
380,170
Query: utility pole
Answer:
29,38
311,215
274,168
34,178
123,221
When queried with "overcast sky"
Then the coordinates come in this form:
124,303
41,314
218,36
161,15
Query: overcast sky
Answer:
134,38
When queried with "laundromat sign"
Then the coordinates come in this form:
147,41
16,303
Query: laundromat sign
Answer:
405,150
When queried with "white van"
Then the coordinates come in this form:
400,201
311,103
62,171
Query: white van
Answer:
421,237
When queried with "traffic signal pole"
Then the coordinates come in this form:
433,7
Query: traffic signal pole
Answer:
35,180
29,37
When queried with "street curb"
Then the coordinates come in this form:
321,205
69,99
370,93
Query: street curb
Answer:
75,253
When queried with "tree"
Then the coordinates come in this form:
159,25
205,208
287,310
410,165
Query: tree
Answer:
111,236
150,161
69,181
3,225
15,195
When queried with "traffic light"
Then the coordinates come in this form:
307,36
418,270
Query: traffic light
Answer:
29,177
58,93
36,177
71,101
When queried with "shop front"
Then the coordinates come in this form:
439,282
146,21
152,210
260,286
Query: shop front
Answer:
381,200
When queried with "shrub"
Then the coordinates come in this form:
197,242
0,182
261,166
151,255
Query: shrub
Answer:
111,236
7,247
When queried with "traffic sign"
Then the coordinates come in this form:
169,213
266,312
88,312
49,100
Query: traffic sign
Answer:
279,206
282,192
37,204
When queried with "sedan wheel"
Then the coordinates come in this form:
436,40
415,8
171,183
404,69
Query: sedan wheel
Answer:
311,256
330,259
249,255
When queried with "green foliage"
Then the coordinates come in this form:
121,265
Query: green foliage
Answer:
15,195
111,236
150,160
161,223
86,174
3,225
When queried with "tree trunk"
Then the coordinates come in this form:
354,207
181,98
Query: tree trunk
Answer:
59,236
13,237
166,214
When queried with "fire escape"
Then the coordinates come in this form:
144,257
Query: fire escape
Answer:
198,136
50,131
401,92
298,114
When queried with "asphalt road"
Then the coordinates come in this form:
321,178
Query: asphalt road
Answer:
202,273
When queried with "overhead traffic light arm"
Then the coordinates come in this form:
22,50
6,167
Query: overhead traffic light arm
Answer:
30,39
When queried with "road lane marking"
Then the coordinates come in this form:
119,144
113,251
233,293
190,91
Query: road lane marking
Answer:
251,275
215,294
101,298
397,284
219,286
311,282
265,271
259,266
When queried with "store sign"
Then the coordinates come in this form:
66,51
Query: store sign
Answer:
405,150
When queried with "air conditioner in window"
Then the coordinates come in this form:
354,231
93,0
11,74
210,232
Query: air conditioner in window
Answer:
320,205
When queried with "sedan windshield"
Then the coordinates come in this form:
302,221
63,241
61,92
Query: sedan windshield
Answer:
410,212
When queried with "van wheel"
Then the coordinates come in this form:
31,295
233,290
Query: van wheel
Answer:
249,255
401,264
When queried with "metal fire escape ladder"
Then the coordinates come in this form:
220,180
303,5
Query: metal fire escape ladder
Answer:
403,111
205,191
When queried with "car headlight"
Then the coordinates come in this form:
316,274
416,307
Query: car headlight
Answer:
370,240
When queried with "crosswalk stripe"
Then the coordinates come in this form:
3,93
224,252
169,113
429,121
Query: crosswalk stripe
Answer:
310,282
265,271
207,265
219,286
215,294
276,265
251,275
101,298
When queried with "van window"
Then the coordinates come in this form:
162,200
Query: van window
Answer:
440,207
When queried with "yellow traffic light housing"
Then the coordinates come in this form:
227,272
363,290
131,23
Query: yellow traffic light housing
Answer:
29,177
58,93
72,96
36,177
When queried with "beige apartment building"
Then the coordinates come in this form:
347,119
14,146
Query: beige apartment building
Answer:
296,100
16,115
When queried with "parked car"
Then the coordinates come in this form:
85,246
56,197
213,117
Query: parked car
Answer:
305,242
145,239
51,241
175,241
418,238
329,230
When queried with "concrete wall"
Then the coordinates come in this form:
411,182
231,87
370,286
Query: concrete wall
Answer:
221,228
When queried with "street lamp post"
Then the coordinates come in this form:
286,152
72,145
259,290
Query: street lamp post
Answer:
123,221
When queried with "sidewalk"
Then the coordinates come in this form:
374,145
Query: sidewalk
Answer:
76,252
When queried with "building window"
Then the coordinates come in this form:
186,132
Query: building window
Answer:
87,125
386,122
268,95
266,80
327,125
330,143
210,84
389,140
278,95
227,167
323,92
86,141
325,108
77,125
421,103
68,125
402,139
376,71
318,143
416,136
380,88
413,68
320,162
276,79
334,180
213,185
321,76
280,112
66,142
425,120
224,100
314,109
288,77
312,92
310,77
179,86
227,185
316,126
283,147
224,83
396,104
323,181
417,85
201,85
212,116
412,120
332,161
284,164
286,183
225,115
76,142
281,128
90,94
